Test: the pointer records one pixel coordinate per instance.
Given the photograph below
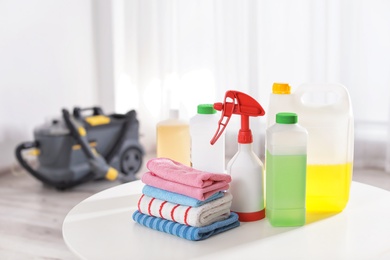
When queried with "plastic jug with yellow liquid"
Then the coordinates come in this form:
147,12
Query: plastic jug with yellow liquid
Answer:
325,111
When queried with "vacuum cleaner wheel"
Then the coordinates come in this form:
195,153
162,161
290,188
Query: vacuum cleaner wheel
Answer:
131,160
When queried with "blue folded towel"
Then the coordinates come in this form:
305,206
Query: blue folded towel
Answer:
176,197
184,231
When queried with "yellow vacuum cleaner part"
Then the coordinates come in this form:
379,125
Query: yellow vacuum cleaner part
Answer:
97,120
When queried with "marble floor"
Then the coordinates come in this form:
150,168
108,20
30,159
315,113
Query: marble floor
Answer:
32,214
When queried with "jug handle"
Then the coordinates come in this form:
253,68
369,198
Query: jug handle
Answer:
342,102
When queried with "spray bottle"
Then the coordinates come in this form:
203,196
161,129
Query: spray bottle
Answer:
245,167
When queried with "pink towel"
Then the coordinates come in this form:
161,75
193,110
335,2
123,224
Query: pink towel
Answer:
193,192
176,177
174,171
204,215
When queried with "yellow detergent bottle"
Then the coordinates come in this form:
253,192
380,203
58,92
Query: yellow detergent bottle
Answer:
173,138
325,111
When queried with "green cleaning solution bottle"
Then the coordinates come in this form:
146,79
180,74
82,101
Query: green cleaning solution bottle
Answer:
286,146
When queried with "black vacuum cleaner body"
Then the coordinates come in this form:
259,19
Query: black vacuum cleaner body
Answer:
77,148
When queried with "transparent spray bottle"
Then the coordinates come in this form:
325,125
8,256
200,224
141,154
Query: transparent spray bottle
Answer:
245,168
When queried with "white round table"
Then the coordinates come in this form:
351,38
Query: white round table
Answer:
101,227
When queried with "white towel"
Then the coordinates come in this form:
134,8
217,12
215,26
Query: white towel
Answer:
204,215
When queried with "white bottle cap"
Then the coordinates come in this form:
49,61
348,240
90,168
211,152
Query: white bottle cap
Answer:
174,113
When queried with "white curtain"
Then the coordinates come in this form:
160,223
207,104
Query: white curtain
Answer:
179,53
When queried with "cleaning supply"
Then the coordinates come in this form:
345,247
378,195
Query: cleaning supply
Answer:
200,193
286,146
279,101
204,215
204,156
184,231
175,177
173,138
179,173
178,198
198,220
325,111
245,167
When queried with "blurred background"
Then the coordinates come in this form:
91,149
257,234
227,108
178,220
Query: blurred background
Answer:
153,55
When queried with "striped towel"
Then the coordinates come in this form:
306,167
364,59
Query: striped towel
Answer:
184,231
204,215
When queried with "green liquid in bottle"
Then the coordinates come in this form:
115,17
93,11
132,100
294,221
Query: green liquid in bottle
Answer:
285,189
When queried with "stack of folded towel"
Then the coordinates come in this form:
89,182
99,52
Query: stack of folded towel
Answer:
185,202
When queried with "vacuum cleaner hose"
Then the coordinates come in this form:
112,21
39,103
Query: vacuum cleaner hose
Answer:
59,185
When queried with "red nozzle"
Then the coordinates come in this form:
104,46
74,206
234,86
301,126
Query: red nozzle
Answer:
240,104
218,106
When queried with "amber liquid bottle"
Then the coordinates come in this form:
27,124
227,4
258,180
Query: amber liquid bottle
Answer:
173,139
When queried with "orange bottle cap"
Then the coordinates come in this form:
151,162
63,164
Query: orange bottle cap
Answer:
281,88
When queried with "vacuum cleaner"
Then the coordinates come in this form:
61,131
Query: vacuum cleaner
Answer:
83,146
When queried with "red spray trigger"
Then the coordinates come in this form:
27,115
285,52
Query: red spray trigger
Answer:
240,104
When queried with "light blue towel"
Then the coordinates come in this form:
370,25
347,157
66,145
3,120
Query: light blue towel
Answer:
176,197
184,231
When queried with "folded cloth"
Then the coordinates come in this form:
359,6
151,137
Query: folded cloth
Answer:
193,192
170,170
184,231
178,198
176,177
204,215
